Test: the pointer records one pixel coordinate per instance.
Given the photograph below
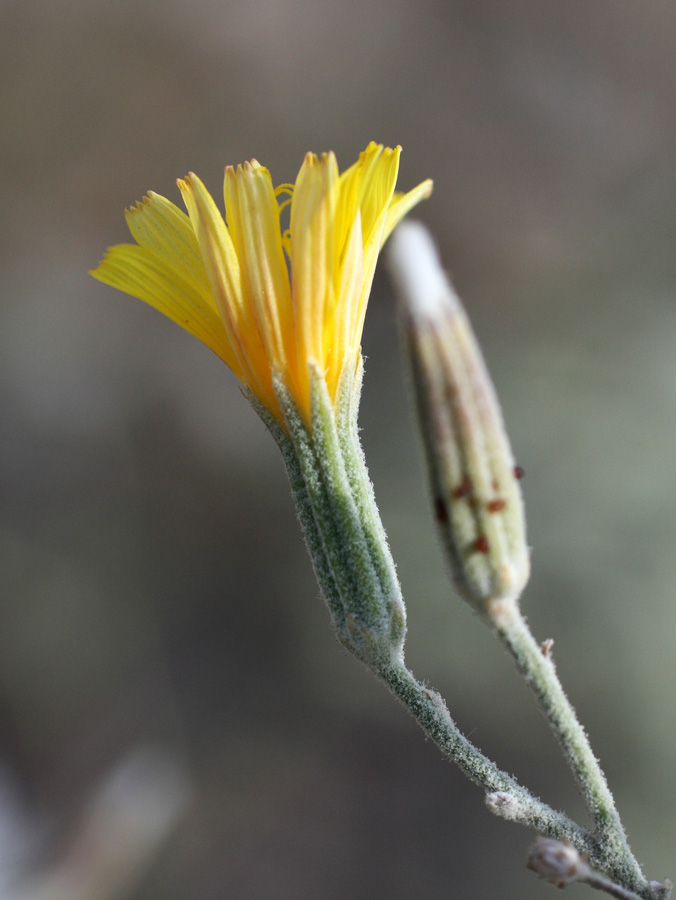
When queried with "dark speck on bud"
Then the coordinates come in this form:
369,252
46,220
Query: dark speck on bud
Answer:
463,491
481,544
441,510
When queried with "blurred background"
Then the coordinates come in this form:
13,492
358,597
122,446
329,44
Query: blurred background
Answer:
176,717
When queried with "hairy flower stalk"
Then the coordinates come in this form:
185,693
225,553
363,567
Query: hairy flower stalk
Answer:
284,309
479,510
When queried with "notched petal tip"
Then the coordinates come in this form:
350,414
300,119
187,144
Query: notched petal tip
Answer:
251,168
189,182
99,272
139,206
372,147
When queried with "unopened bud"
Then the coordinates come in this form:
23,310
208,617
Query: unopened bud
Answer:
474,480
557,862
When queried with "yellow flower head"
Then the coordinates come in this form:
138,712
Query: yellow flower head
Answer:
230,284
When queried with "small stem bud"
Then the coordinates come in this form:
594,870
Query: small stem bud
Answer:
560,864
474,480
557,862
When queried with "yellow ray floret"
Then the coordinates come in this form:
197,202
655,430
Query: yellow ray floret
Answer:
268,302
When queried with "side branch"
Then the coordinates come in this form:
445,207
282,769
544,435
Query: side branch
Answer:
536,666
508,798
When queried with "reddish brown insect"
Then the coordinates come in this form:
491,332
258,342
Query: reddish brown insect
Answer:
464,489
481,544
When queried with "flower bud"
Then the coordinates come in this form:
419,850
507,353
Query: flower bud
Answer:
557,862
474,481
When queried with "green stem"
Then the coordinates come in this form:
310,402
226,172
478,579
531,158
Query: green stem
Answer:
353,564
535,664
354,567
601,883
431,713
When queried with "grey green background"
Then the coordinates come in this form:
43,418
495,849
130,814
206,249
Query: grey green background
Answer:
154,588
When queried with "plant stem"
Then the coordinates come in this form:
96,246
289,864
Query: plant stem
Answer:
561,864
354,567
431,713
601,883
535,664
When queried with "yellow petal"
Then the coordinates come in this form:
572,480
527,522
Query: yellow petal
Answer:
137,271
398,206
223,271
229,284
402,204
253,224
161,227
377,188
368,185
313,260
344,330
